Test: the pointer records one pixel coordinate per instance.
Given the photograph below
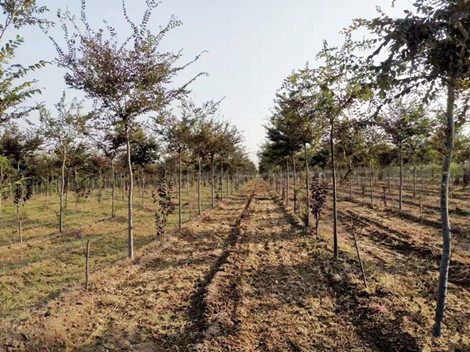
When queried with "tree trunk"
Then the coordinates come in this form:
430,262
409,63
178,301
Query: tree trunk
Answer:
199,207
143,187
350,180
62,188
212,181
307,184
414,180
446,230
67,184
400,196
100,183
294,175
371,175
113,188
130,228
87,266
288,180
221,193
333,175
20,227
180,205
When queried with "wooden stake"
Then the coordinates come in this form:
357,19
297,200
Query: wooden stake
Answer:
20,229
357,250
87,258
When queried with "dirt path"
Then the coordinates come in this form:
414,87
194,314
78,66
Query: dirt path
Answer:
275,291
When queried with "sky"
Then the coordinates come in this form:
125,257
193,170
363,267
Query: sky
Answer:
252,45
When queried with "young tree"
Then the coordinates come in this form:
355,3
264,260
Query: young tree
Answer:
319,191
162,197
351,146
341,80
427,48
221,140
21,196
110,146
4,167
62,131
403,123
204,127
227,142
126,79
177,134
144,152
296,123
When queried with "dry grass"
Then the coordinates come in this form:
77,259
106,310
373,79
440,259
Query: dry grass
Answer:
48,263
245,279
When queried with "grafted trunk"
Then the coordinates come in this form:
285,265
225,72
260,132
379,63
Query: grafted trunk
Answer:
446,230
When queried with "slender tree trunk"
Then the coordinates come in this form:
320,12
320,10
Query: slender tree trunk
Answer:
221,181
46,184
333,175
67,183
422,178
288,180
400,196
1,191
307,178
294,175
87,266
143,187
446,230
199,207
371,175
130,227
62,189
414,180
113,188
20,227
350,181
100,183
180,200
212,181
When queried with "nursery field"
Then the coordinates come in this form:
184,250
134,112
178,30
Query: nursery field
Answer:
48,262
243,276
153,197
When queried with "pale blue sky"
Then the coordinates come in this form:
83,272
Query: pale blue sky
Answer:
252,46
